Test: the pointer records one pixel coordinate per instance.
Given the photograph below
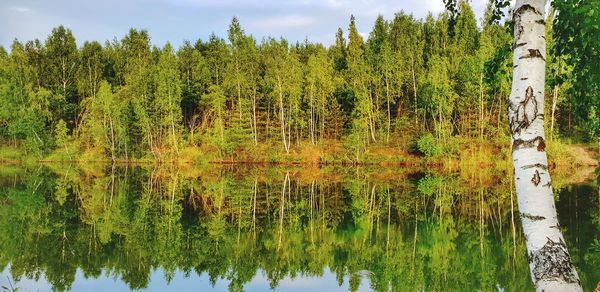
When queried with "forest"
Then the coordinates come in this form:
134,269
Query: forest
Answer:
230,154
434,87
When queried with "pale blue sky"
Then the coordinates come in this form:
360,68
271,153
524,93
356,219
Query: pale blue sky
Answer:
179,20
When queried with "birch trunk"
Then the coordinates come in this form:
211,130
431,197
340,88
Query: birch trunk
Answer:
112,141
282,117
414,88
254,126
552,118
549,261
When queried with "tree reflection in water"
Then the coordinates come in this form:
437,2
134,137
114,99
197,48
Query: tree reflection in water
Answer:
396,229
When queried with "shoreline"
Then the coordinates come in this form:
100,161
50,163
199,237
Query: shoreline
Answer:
486,156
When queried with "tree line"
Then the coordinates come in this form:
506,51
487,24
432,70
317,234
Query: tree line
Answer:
435,81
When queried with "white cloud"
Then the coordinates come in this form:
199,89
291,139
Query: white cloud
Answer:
287,21
222,4
176,20
334,3
21,9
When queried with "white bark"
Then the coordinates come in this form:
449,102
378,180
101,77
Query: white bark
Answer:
286,144
549,260
554,100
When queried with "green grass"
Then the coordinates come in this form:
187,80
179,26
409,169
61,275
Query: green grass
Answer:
11,153
463,153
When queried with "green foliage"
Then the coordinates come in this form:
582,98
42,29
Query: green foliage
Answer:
215,100
429,146
443,75
429,185
60,133
497,10
166,106
62,64
579,18
103,125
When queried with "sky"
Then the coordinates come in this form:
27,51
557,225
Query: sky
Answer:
179,20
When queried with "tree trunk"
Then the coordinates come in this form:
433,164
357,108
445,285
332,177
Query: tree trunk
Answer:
552,118
282,117
389,115
481,109
322,118
549,260
172,118
311,123
414,88
239,93
371,119
254,126
112,140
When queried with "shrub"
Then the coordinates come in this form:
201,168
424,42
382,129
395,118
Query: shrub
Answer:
429,145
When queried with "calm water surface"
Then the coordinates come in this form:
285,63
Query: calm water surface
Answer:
108,228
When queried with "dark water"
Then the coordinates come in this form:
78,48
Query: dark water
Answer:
103,228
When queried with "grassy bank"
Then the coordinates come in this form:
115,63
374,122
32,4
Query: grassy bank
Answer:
464,153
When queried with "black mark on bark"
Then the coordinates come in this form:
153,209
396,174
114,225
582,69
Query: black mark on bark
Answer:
541,146
536,178
517,19
526,7
524,112
524,78
541,21
552,262
517,45
519,31
535,142
548,184
533,53
538,165
532,217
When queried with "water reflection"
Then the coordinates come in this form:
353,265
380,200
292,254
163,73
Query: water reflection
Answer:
240,228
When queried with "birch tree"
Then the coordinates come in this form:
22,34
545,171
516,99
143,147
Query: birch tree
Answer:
549,261
195,79
102,121
406,39
90,69
61,52
167,101
319,89
357,78
138,77
283,79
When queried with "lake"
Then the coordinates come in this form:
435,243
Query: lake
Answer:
117,228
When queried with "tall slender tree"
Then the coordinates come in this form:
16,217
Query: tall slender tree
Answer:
319,90
167,101
139,69
283,79
406,39
381,61
195,79
357,78
549,260
90,69
63,61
